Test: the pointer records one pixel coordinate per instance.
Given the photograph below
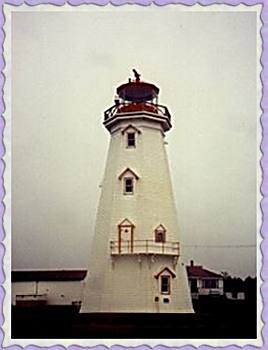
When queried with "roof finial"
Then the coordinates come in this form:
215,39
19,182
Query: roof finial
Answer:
137,75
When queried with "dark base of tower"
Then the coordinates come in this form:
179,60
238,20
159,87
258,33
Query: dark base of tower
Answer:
236,319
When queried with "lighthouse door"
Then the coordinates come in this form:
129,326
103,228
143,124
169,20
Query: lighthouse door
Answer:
125,238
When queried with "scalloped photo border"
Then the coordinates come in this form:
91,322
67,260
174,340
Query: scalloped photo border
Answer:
5,168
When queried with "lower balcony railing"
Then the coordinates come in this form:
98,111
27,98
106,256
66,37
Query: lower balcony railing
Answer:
126,247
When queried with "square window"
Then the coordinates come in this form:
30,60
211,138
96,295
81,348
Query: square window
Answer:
131,141
129,186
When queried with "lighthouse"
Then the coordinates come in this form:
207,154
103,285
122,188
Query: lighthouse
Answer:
135,264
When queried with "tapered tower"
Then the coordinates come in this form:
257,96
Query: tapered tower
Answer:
135,263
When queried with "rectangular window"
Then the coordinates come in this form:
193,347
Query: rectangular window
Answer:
131,142
165,284
129,187
210,283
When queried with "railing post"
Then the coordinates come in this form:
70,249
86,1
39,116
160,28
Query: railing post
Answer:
163,247
111,246
147,246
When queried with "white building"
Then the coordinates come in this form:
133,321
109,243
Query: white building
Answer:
204,282
47,287
135,263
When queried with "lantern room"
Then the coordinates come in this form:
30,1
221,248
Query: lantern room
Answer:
134,99
137,91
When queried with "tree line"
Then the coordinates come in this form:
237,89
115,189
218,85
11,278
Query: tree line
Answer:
235,285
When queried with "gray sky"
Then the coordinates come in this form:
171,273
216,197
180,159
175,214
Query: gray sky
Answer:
65,69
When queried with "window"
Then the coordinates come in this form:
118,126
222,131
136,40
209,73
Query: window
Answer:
160,237
166,300
131,141
160,234
165,284
209,283
164,280
129,185
128,178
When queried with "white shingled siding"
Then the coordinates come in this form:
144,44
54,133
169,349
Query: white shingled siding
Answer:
58,293
127,283
22,288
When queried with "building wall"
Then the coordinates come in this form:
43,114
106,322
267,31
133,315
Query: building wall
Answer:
152,190
128,286
58,293
207,291
22,288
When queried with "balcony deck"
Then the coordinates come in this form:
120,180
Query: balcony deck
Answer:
123,108
147,247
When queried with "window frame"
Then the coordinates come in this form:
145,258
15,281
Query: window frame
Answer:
125,185
167,285
125,224
160,230
159,236
209,283
128,139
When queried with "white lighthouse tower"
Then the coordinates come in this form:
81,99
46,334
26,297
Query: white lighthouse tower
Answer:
135,263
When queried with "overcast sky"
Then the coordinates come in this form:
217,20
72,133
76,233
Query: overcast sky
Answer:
65,69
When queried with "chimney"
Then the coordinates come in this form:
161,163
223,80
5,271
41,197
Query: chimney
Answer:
191,263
